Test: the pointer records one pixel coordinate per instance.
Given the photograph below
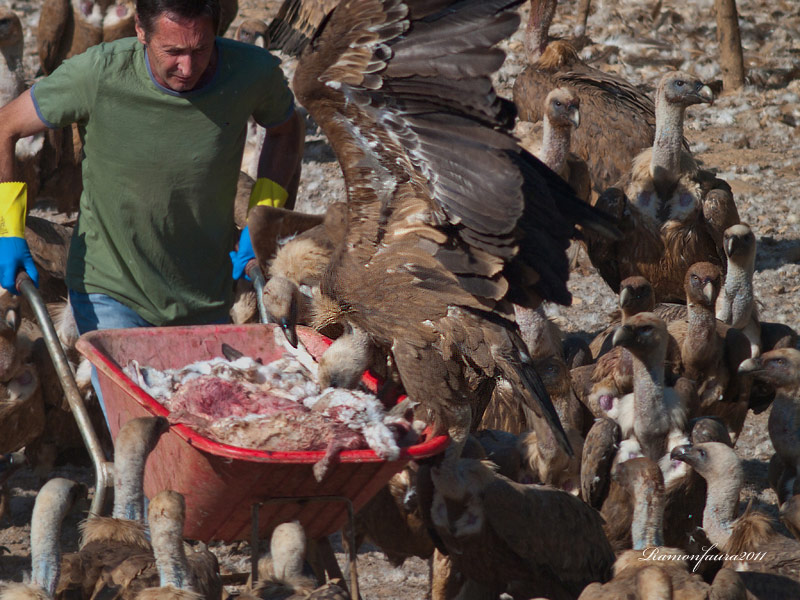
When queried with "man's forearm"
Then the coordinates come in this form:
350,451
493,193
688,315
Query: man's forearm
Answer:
18,119
282,151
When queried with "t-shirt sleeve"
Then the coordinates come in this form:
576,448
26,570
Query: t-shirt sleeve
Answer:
67,94
277,100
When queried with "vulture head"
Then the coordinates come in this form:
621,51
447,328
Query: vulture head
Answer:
683,89
10,28
253,31
739,242
710,429
282,300
780,367
457,506
702,284
635,296
714,461
644,335
562,108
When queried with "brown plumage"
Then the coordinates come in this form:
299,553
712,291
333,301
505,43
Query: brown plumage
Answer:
473,508
781,369
109,541
12,76
617,117
711,351
167,574
295,264
427,267
296,22
644,481
774,573
392,521
67,28
675,213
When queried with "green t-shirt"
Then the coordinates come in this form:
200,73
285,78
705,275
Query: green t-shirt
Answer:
159,173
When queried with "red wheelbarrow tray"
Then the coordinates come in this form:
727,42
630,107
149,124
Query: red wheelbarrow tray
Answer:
221,482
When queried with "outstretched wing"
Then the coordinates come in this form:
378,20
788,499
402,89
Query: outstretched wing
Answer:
296,23
403,92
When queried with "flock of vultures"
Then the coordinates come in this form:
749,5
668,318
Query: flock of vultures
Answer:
575,470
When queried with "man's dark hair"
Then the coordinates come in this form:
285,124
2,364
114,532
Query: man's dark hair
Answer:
149,10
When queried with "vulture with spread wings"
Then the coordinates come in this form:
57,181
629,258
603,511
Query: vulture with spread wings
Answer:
448,220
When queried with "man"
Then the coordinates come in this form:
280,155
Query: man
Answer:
163,119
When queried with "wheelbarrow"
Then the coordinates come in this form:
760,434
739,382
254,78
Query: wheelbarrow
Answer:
234,493
231,493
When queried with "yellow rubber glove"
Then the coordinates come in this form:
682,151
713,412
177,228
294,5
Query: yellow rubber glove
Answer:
266,192
14,253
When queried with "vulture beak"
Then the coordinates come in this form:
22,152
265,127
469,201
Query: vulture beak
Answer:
683,453
289,331
575,116
730,245
625,296
708,292
751,365
703,93
623,336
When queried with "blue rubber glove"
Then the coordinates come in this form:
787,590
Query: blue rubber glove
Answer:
14,257
14,252
243,255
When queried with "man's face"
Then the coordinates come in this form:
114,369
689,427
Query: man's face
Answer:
179,50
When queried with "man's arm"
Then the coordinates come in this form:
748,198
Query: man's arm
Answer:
18,119
282,151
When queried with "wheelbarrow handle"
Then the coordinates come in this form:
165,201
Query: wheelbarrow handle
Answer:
67,378
259,281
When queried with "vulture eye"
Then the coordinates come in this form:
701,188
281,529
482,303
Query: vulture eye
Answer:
680,82
702,453
558,102
695,278
647,329
781,362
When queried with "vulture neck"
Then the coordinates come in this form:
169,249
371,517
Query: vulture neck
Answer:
128,485
701,345
538,27
651,421
170,555
287,558
647,526
665,162
722,500
52,505
555,146
739,284
12,83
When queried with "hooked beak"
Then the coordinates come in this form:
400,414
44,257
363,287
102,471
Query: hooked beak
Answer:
623,336
625,296
575,117
289,324
751,365
708,292
682,453
703,94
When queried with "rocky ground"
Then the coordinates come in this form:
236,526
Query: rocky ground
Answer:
750,138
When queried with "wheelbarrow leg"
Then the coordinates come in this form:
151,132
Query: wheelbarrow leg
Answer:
254,542
67,379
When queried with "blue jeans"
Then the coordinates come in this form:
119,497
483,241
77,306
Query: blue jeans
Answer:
98,311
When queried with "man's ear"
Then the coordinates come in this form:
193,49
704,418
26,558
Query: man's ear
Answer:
140,35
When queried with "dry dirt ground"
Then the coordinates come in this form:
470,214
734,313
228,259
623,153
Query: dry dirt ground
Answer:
751,138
